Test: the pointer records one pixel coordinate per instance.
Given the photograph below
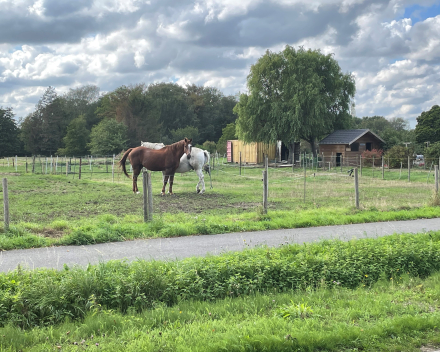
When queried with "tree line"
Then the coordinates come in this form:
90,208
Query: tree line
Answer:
83,121
292,95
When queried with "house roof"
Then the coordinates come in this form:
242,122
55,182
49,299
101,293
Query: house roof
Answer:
347,136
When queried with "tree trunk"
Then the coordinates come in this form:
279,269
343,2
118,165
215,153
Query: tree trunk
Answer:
291,153
313,146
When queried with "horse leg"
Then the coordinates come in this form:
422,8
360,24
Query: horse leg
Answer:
165,180
201,181
136,172
170,191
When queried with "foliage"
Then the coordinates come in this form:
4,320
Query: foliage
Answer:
45,297
394,131
398,156
371,318
294,310
368,156
9,134
428,126
185,132
76,139
43,130
228,133
108,137
293,95
209,146
433,151
133,107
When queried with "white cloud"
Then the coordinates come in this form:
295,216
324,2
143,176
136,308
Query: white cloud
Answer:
214,42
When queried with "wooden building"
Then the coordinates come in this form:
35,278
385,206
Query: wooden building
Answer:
345,146
251,153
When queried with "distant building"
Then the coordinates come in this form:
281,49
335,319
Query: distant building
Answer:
346,146
251,153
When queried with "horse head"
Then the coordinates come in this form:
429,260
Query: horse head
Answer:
187,147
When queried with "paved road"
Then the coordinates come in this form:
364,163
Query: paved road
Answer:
182,247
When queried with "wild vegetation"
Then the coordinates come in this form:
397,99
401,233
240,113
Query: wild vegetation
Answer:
370,294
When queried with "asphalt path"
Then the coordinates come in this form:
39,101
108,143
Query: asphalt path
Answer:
182,247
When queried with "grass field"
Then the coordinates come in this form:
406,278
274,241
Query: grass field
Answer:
47,208
366,295
389,316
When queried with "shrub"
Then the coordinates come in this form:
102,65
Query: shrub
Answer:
209,146
43,297
368,156
397,155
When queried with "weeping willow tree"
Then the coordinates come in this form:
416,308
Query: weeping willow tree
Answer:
293,95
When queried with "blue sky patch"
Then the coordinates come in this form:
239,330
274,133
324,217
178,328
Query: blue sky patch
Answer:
419,13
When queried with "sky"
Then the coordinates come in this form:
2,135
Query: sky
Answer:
391,47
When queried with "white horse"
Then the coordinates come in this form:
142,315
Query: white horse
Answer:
199,158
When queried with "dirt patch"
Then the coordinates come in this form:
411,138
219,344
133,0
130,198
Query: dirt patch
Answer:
429,349
52,233
10,173
197,203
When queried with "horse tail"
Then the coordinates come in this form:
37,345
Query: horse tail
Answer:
122,162
207,157
207,161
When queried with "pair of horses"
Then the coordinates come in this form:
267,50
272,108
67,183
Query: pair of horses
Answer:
178,157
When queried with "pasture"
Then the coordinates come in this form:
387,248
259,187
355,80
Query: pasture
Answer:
47,208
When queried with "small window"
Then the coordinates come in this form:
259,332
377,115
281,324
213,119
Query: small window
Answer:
355,147
368,146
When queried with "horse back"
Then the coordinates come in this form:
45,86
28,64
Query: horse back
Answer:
154,159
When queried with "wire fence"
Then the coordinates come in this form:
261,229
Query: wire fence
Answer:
314,182
309,183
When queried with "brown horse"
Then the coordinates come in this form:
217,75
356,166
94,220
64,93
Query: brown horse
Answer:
166,160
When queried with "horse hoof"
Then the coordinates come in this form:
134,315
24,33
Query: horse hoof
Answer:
138,192
162,194
198,191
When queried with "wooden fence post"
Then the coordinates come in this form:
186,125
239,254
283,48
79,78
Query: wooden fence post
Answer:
240,163
33,164
6,203
436,179
356,187
79,171
265,191
360,163
383,169
147,196
305,179
409,170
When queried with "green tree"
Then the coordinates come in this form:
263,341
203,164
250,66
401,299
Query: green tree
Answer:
134,107
394,131
433,152
76,139
293,95
228,133
398,156
209,146
428,126
212,111
181,133
43,130
9,133
108,137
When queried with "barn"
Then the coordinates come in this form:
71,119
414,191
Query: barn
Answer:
345,146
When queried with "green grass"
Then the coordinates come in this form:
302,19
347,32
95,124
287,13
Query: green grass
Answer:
389,315
59,209
47,297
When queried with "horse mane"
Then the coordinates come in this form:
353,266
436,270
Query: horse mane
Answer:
176,145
